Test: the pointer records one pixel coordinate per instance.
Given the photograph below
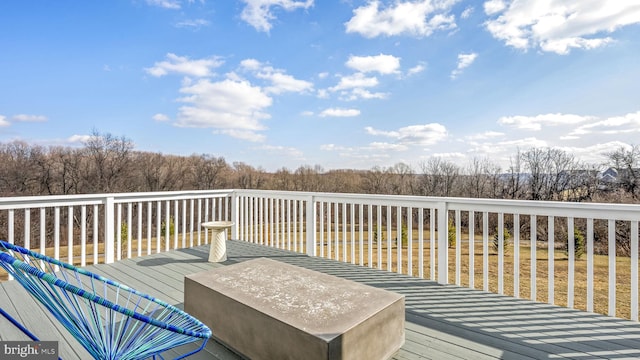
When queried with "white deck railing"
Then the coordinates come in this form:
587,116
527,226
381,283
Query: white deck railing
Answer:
405,234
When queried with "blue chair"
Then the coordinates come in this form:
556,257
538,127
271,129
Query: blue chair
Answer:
110,320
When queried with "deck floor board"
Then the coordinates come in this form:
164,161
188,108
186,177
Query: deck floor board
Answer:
442,321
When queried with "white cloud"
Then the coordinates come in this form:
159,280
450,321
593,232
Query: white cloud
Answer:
450,155
323,75
78,139
247,135
492,7
557,25
464,61
485,135
183,65
279,150
416,69
357,80
259,15
167,4
234,107
360,93
280,82
29,118
535,123
417,18
426,134
194,24
339,112
160,117
383,64
4,122
307,113
385,146
629,123
467,13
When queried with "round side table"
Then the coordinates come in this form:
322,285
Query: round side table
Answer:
218,251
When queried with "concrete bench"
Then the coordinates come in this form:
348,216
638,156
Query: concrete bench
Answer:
265,309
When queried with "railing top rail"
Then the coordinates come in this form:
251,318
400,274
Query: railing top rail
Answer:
26,202
525,207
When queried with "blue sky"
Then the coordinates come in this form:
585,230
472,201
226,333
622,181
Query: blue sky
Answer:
341,84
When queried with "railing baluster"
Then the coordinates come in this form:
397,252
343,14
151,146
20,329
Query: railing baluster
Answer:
421,243
360,235
56,230
432,244
534,251
379,242
571,266
590,265
443,243
191,214
119,231
43,230
612,267
550,258
399,238
516,255
410,241
295,225
129,230
344,232
458,247
176,222
83,235
329,225
184,223
167,227
500,253
149,228
472,249
199,222
352,237
322,230
389,252
27,228
139,228
485,251
370,235
95,234
288,210
634,270
158,226
239,224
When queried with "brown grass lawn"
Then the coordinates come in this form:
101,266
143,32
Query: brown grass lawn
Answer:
601,269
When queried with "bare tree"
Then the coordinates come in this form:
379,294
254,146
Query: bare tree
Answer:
438,177
109,157
550,171
375,181
208,171
625,161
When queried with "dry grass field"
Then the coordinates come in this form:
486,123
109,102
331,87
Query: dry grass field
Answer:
601,267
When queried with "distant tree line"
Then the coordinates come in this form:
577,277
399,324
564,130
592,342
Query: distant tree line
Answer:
108,163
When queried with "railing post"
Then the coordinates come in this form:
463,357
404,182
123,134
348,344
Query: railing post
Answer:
109,223
443,243
311,226
234,214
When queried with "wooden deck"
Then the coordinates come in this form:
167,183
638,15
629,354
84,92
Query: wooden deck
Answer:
442,322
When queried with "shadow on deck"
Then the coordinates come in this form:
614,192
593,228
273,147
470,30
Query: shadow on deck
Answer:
442,321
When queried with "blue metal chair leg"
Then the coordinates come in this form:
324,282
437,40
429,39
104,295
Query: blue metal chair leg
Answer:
17,324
